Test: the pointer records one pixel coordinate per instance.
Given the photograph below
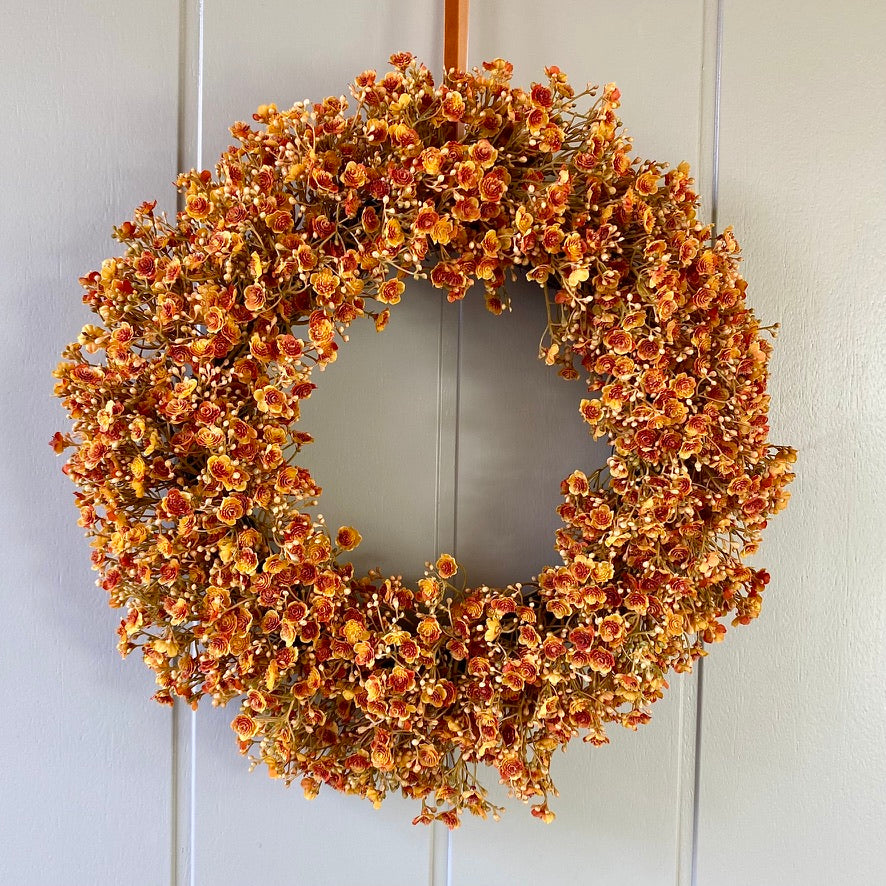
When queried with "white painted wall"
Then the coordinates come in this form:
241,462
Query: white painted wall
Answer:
774,770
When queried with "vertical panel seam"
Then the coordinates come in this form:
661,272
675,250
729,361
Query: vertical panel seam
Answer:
687,691
176,709
715,200
183,781
457,428
440,873
715,148
446,512
173,798
434,831
438,460
198,148
199,121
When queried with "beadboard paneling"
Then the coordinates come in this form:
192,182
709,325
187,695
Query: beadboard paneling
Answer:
374,419
89,102
520,434
446,433
793,768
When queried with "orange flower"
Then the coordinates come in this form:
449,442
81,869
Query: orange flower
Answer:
697,426
468,175
245,727
591,410
354,175
390,291
541,96
637,602
246,561
347,538
447,275
429,630
197,206
288,480
393,233
280,221
553,648
226,473
270,399
325,283
401,680
320,328
467,209
432,160
381,321
484,153
60,442
612,629
601,660
178,504
493,186
619,340
683,386
442,230
428,756
425,220
446,566
601,517
231,510
511,768
647,183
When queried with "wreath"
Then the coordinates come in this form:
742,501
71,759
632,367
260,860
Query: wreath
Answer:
185,405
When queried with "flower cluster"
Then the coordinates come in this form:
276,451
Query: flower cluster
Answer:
185,404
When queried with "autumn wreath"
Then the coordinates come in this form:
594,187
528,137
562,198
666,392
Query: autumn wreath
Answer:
185,406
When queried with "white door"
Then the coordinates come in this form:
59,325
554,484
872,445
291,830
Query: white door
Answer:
446,433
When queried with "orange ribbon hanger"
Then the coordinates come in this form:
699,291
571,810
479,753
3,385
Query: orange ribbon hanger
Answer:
455,34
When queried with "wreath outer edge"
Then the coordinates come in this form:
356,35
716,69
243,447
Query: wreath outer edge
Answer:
184,401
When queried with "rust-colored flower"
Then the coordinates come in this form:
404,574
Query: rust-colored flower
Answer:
601,660
453,106
446,566
493,185
325,283
270,399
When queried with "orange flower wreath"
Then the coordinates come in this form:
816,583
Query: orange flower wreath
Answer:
184,423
